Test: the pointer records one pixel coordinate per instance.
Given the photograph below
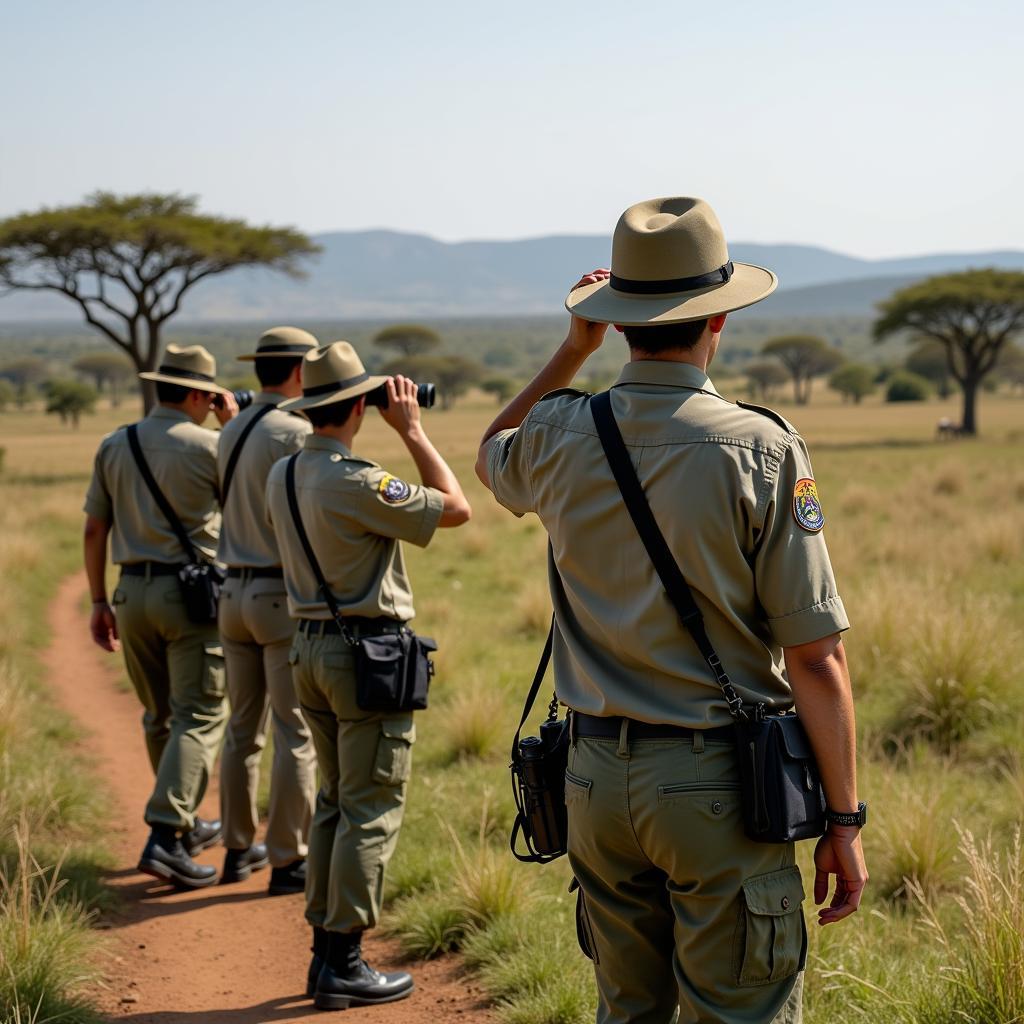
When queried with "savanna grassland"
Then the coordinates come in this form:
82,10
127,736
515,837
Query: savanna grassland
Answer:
927,543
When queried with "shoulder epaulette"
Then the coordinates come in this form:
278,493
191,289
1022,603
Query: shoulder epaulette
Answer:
564,391
770,413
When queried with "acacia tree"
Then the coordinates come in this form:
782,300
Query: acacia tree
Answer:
972,314
128,261
853,381
408,339
805,356
108,371
23,373
763,377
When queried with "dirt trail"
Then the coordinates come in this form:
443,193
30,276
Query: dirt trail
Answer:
223,955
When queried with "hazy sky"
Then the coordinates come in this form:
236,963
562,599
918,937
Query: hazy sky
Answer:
874,128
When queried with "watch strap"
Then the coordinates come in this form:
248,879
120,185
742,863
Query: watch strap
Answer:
857,818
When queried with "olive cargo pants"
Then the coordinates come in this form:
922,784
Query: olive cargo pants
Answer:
177,669
257,634
679,907
364,760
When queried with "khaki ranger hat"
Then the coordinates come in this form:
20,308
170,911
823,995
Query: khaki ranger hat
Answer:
284,342
332,374
670,264
191,367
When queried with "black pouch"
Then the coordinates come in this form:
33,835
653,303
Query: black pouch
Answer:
200,584
393,671
782,796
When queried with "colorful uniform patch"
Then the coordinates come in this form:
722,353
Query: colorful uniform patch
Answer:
806,507
394,491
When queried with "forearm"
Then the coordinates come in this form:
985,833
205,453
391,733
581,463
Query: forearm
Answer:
824,700
95,553
436,473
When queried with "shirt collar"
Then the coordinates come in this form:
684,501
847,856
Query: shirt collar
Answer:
323,443
668,372
165,412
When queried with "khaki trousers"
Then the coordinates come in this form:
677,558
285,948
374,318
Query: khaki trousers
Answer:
683,913
257,634
177,669
365,760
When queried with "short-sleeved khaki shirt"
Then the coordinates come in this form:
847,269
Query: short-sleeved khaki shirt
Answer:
246,538
183,459
355,515
722,482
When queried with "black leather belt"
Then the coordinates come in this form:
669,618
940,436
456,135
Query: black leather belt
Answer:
611,728
356,623
238,572
149,569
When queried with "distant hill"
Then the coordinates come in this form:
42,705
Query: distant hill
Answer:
389,274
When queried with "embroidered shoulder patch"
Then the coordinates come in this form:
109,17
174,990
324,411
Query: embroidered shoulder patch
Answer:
394,491
806,507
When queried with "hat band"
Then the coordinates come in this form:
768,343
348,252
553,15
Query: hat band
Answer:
175,371
676,284
326,389
264,349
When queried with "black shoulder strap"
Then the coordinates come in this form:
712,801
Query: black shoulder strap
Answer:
538,678
158,496
229,470
314,564
654,541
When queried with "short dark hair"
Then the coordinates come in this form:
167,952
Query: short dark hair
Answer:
657,338
272,371
172,394
334,415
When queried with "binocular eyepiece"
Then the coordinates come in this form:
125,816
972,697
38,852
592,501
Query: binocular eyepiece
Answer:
426,396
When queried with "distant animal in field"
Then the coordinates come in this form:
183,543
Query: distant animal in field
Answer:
946,429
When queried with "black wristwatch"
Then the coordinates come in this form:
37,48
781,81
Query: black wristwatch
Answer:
857,818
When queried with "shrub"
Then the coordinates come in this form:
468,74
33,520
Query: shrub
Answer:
472,722
905,386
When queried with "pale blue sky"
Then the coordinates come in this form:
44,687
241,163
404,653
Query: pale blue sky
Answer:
872,128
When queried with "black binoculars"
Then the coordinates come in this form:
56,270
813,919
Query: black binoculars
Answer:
426,396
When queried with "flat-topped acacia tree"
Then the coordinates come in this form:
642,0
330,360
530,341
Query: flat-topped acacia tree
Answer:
128,261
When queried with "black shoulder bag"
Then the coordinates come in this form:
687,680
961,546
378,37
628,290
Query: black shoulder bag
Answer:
229,469
200,581
538,777
393,670
781,790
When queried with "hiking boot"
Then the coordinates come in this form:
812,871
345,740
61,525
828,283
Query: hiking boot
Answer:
240,864
346,979
164,857
201,835
289,879
319,951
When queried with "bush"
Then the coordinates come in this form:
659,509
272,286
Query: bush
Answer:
905,386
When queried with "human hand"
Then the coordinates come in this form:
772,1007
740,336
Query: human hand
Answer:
839,853
103,627
225,408
584,335
403,409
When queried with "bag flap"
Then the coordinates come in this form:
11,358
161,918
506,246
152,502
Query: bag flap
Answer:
775,894
381,648
794,737
399,728
428,643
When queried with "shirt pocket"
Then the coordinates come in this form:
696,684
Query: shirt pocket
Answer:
393,761
771,938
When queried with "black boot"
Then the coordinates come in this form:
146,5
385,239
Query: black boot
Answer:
319,950
288,880
346,979
240,864
201,835
164,857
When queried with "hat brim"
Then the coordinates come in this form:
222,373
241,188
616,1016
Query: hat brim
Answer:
186,382
298,354
315,401
603,304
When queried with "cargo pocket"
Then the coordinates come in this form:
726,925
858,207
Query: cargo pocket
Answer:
772,936
584,929
118,597
213,670
393,762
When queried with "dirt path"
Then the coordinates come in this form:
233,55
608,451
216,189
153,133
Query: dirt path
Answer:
223,955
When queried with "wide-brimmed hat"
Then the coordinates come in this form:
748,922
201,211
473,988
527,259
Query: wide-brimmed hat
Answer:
283,342
332,373
191,367
670,264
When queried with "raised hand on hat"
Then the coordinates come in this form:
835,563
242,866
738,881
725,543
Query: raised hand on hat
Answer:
584,335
